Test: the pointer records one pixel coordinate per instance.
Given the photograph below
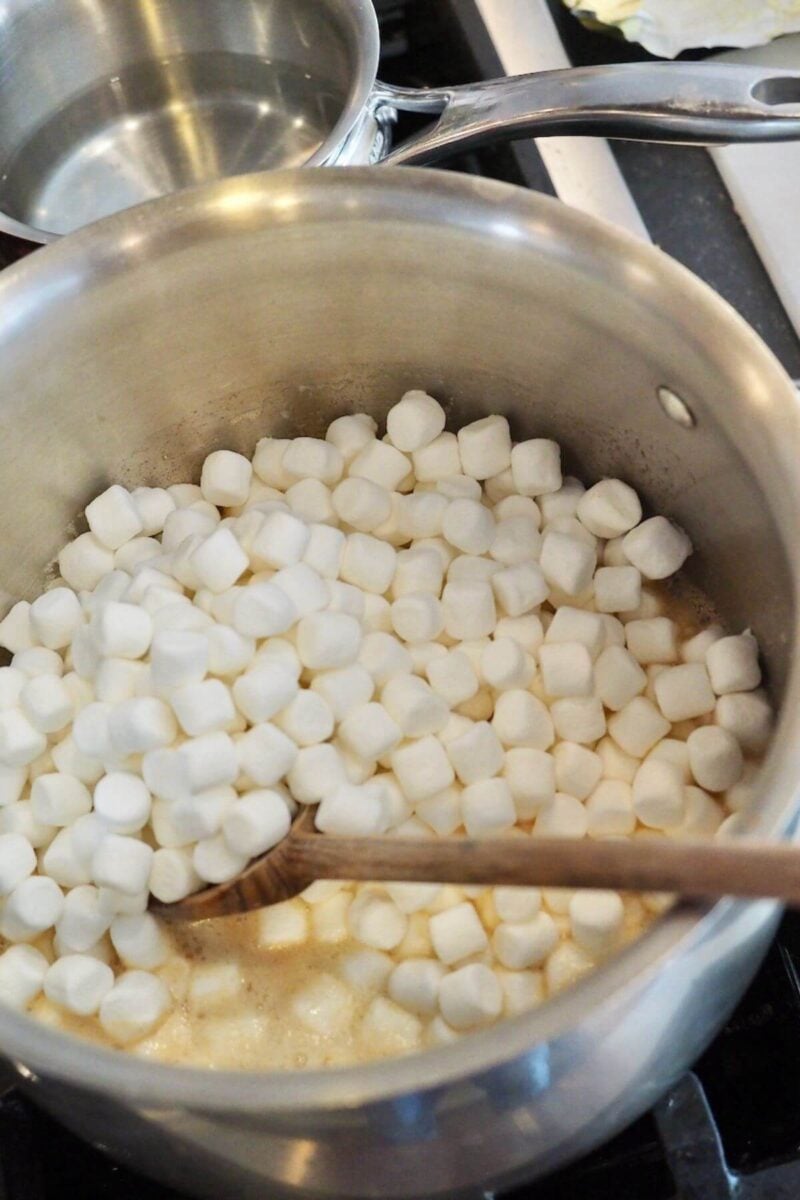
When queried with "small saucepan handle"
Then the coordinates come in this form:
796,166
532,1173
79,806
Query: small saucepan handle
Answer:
689,103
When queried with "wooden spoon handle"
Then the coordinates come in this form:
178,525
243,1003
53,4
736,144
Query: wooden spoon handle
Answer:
696,869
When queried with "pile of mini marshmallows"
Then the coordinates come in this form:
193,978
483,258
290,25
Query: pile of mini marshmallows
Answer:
428,632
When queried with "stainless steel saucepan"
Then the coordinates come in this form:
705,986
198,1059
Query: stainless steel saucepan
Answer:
271,304
105,103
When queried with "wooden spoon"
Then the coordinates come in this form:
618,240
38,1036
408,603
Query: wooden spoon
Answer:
695,869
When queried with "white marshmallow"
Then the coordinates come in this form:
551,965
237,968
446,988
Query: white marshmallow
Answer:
203,707
256,823
229,651
418,570
525,943
22,972
344,598
476,754
657,548
82,563
421,515
578,770
485,447
122,863
266,754
142,724
617,589
38,661
178,657
414,984
345,689
369,731
324,1005
653,640
536,467
268,463
215,862
310,499
317,771
703,816
54,618
113,517
283,924
377,614
466,567
17,861
684,692
376,921
281,541
153,504
470,996
225,478
352,809
122,801
59,799
381,463
530,775
415,421
469,526
210,761
122,630
596,919
521,719
609,509
12,681
414,706
618,678
78,983
15,629
12,782
457,933
219,560
46,702
638,726
748,716
117,679
442,811
423,653
565,966
673,751
567,563
383,656
488,807
83,921
733,664
139,941
516,903
526,631
576,625
417,617
469,609
439,460
715,758
610,810
658,799
452,677
264,690
19,818
362,504
328,639
566,669
306,719
516,539
193,818
137,551
134,1006
117,902
324,550
563,817
172,875
33,906
351,433
368,563
422,768
313,458
696,648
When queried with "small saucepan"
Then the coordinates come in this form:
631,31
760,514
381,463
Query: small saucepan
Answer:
105,103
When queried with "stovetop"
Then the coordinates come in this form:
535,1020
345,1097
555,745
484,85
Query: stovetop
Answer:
731,1129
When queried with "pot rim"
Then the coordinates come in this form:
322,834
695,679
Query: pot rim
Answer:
109,247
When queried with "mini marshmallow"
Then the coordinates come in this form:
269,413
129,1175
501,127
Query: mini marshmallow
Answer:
567,563
530,775
362,504
696,648
383,656
376,921
117,679
576,625
526,631
618,678
703,816
122,801
219,560
415,707
12,782
225,478
33,906
657,548
457,933
369,731
516,539
203,707
638,726
264,690
15,629
54,618
715,758
281,541
415,421
469,526
310,500
137,551
352,809
306,719
417,617
470,567
345,689
525,943
609,509
59,799
658,798
469,609
82,564
684,692
422,768
196,817
609,810
19,818
566,965
178,657
314,458
488,807
654,640
368,563
326,640
470,996
414,984
617,589
139,941
38,661
418,570
17,861
596,919
142,724
453,677
521,719
323,1005
122,863
266,754
172,875
381,463
134,1006
485,447
22,972
344,598
215,862
563,817
733,664
317,771
439,460
153,506
377,614
505,665
83,921
748,716
422,515
113,518
78,983
351,433
229,651
536,467
122,630
516,903
442,811
324,550
209,761
12,681
476,754
46,702
578,770
520,588
566,669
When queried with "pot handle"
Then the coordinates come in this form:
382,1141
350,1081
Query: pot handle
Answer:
690,103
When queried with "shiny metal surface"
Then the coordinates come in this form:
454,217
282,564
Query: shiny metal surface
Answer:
270,304
106,103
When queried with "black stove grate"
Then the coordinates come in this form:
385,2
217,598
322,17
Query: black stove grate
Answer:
731,1130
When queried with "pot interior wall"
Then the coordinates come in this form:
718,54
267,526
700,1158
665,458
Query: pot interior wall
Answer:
129,354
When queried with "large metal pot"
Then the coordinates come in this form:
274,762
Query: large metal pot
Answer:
105,103
270,304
